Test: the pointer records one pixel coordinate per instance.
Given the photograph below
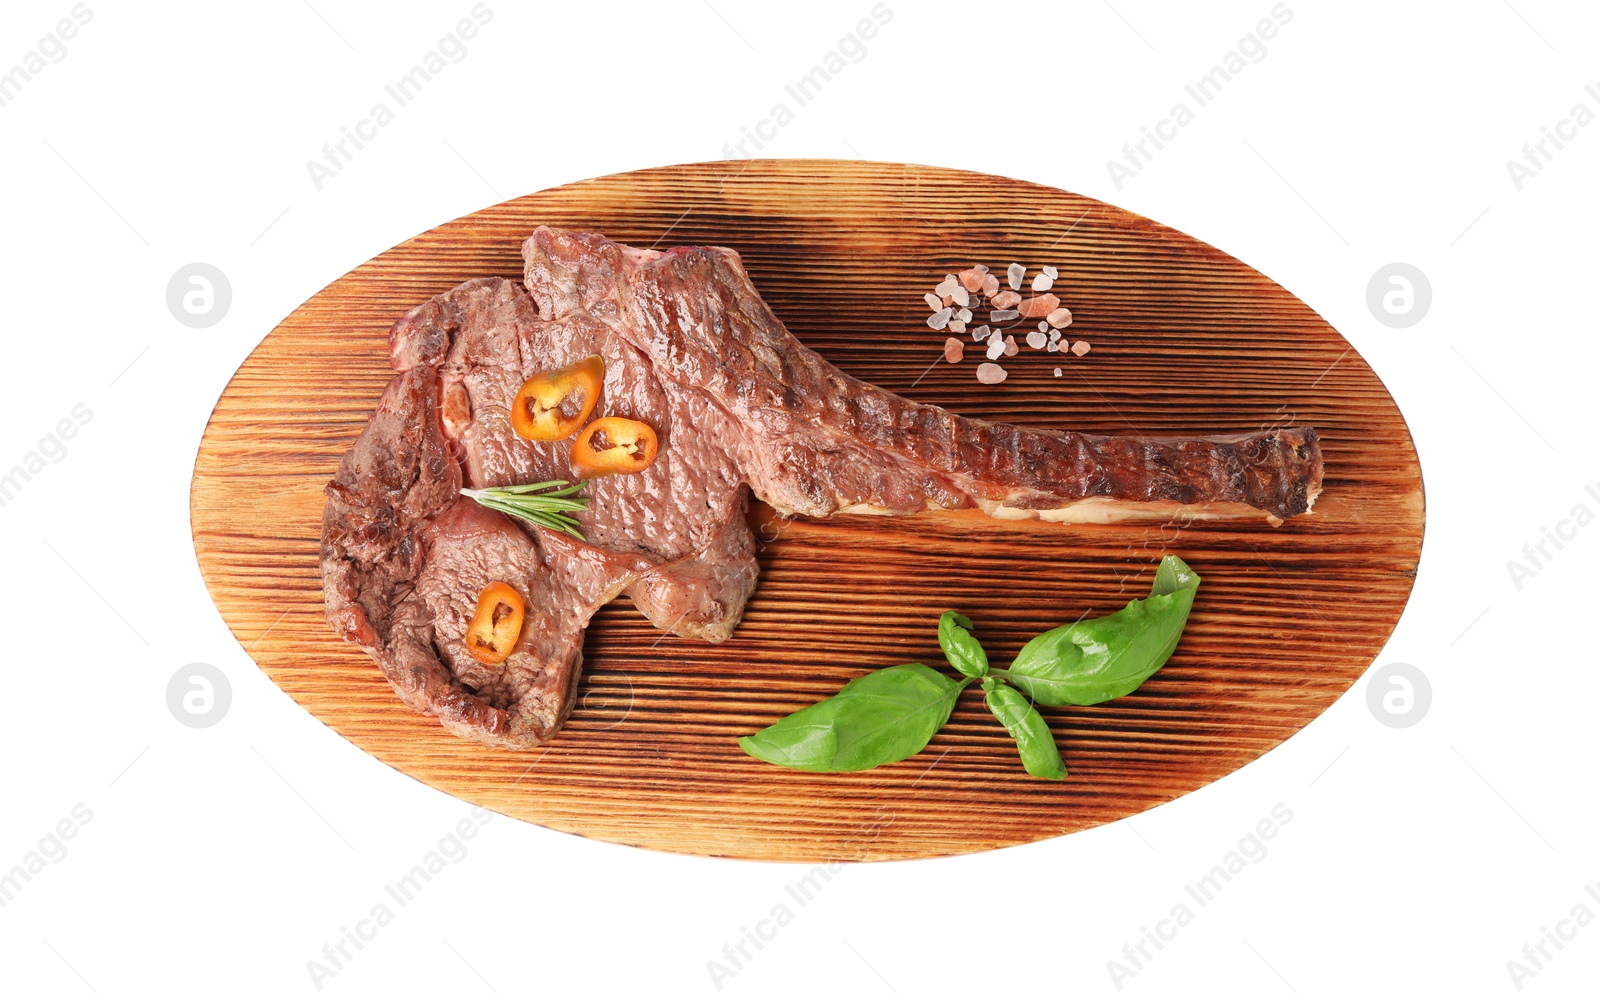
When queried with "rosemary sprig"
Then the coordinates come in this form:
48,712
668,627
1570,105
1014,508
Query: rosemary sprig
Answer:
545,504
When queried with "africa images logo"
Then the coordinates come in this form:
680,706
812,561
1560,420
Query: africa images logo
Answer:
1251,49
451,49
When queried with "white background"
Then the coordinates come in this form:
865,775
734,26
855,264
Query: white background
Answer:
225,858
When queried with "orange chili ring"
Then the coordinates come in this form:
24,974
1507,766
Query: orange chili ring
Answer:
614,445
495,626
553,405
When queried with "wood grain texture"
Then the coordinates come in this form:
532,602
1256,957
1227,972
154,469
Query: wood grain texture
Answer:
1186,340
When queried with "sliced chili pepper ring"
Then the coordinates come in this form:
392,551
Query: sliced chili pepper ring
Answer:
553,405
496,624
614,445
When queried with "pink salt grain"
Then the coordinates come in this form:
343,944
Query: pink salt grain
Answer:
953,349
1005,300
989,374
991,284
1037,307
972,279
1080,348
1059,318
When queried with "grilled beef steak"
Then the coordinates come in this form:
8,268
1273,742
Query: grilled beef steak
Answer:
738,404
685,514
811,440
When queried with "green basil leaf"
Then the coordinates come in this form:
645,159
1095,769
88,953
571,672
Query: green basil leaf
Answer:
882,717
962,650
1034,742
1107,657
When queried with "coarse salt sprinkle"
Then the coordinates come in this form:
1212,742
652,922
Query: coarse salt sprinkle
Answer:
955,298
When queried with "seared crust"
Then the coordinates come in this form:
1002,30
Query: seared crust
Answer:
395,478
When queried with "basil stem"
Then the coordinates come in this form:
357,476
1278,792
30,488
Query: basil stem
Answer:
1035,744
961,649
1107,657
882,717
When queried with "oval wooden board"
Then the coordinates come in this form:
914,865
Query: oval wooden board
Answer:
1186,339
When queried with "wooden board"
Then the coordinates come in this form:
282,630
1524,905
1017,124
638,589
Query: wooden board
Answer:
1185,339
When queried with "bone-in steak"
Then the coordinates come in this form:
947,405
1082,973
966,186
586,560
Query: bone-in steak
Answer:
738,404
